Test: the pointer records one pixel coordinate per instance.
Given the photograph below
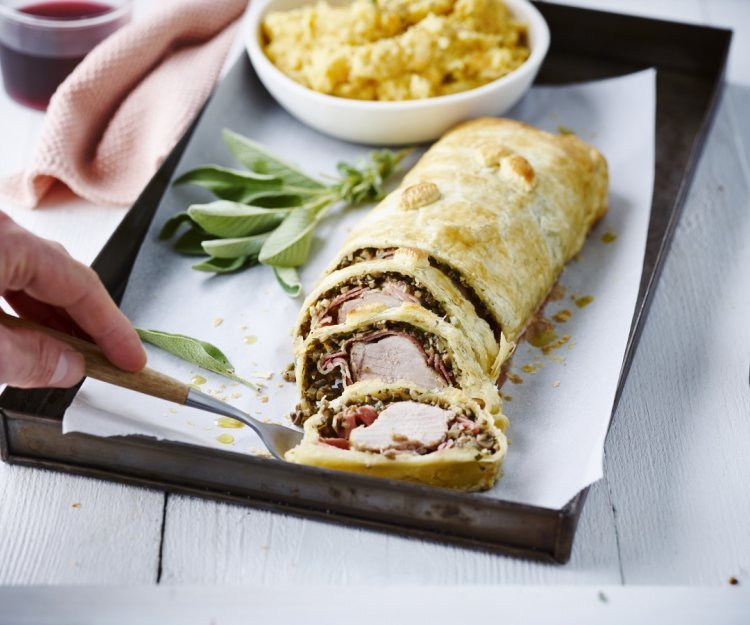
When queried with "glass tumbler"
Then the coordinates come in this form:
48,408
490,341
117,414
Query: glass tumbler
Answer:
42,42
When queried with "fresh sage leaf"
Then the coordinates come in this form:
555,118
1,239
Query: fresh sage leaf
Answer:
198,352
258,159
191,243
223,265
279,201
233,248
172,225
195,351
233,185
289,244
232,219
289,280
269,214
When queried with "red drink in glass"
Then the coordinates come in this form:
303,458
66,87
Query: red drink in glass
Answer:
42,42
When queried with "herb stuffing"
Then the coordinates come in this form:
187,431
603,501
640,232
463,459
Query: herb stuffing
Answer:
269,213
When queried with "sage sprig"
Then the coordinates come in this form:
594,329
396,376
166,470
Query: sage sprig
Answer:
269,213
195,351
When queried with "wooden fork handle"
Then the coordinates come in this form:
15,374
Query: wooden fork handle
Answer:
98,367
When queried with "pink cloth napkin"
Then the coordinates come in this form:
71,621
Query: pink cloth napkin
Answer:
116,117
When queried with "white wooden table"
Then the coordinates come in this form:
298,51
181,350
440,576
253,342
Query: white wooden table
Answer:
674,507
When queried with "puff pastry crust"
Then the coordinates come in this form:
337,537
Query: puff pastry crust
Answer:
484,223
461,468
503,203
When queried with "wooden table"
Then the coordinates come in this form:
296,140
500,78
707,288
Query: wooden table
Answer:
673,508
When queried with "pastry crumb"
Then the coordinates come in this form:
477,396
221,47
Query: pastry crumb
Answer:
540,332
556,293
516,379
555,344
584,301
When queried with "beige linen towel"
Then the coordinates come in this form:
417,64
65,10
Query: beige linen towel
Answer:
116,117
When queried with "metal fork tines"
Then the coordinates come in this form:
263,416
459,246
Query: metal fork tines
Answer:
278,439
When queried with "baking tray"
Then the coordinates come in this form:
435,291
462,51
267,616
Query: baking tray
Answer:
586,45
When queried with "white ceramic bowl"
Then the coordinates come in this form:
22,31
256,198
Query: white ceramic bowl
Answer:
394,123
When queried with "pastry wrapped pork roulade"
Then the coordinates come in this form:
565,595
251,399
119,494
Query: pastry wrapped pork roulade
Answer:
405,344
440,438
499,207
407,277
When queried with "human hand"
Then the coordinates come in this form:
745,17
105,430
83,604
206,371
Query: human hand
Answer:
42,282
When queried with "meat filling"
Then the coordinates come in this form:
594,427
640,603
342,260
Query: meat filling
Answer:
391,296
458,280
392,358
406,426
394,351
403,425
390,289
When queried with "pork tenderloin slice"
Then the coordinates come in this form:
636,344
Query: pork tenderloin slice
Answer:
391,359
391,295
371,296
403,425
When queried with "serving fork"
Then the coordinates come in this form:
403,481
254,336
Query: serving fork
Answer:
278,439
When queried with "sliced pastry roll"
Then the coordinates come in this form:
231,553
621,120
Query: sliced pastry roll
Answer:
387,345
405,278
398,349
398,431
496,205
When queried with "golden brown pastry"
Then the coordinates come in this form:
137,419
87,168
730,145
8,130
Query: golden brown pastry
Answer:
401,432
499,207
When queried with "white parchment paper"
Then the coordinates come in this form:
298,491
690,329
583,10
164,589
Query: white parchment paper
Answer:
560,403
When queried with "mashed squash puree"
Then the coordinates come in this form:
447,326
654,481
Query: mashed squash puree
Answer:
395,49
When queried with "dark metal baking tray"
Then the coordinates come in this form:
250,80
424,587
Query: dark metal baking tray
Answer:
586,45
